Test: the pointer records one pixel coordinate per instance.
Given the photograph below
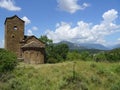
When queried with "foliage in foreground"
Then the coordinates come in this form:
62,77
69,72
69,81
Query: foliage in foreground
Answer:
77,75
8,61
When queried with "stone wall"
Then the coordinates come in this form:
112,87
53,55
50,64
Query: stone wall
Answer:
33,56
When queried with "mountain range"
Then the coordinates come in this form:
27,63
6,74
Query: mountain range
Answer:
88,46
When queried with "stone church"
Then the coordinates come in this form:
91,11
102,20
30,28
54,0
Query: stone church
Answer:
28,48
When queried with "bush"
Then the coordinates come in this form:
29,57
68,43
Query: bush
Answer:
8,60
73,55
52,60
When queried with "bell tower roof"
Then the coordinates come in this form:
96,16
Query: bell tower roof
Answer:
15,16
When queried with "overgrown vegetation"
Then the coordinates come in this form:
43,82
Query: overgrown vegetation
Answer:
110,56
75,71
78,75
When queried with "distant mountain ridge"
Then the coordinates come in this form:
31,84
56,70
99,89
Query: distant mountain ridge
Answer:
116,46
94,46
84,46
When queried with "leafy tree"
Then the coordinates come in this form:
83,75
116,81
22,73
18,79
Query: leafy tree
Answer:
54,52
113,55
49,46
61,50
45,39
8,60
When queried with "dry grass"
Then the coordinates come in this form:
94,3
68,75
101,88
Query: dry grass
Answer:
62,76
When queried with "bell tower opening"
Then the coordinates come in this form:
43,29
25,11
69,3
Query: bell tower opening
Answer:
15,28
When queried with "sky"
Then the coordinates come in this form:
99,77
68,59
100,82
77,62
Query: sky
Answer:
77,21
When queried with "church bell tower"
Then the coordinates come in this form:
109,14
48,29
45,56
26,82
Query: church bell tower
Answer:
14,33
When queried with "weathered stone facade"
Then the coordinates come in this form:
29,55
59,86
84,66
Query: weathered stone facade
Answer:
29,48
14,33
33,52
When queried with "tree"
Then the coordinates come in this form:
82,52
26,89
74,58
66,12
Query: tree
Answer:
85,55
100,57
54,52
61,50
45,39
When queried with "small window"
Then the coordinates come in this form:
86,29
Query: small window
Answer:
12,36
15,28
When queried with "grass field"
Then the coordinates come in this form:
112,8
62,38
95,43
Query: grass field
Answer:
77,75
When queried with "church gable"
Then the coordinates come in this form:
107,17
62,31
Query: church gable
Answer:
33,38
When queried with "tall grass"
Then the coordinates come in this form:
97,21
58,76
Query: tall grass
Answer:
78,75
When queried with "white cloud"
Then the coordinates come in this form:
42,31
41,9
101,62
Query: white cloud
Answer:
110,15
71,6
34,28
27,21
9,5
85,32
85,5
119,39
31,30
2,44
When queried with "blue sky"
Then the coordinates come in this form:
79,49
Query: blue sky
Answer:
79,21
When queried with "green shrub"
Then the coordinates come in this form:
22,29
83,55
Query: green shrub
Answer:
8,60
52,60
73,56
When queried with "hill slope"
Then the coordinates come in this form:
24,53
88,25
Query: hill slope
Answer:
63,76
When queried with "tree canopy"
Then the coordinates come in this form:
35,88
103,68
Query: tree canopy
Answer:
54,52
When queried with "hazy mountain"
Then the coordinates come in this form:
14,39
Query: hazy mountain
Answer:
94,46
84,46
73,45
116,46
